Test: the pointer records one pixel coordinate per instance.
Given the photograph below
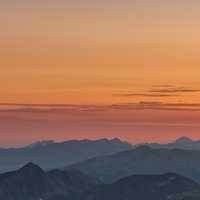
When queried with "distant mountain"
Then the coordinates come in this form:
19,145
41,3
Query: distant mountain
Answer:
142,160
180,143
49,154
40,144
32,183
168,186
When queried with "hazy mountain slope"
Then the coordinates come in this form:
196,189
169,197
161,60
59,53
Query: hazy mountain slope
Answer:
142,160
50,155
180,143
142,187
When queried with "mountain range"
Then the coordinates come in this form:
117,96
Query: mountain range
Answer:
32,183
101,170
142,160
50,154
74,151
180,143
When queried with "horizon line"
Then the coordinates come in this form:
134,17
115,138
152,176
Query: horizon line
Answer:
98,139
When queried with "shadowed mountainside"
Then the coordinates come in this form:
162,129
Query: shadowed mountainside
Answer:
142,160
142,187
32,183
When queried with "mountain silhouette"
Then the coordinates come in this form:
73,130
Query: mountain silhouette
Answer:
180,143
50,155
32,183
142,160
142,187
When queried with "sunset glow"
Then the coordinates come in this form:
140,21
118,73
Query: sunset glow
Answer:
92,69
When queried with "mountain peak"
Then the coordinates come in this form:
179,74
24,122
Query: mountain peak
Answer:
143,148
116,140
40,144
183,139
30,168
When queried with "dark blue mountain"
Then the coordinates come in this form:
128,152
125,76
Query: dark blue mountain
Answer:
142,160
168,186
32,183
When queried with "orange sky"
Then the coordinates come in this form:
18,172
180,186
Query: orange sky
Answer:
100,53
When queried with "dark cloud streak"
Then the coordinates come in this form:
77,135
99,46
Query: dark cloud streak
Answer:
143,105
174,90
147,95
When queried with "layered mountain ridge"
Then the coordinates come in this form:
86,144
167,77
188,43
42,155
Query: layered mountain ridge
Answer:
33,183
180,143
142,160
50,154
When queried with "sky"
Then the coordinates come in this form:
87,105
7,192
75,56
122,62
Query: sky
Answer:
78,69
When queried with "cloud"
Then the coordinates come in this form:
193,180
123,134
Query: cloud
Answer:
69,108
155,105
161,91
49,108
36,105
147,95
163,86
175,90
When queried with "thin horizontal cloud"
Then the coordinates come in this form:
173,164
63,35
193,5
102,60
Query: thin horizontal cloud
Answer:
175,90
161,91
147,95
50,108
37,105
143,105
163,86
149,105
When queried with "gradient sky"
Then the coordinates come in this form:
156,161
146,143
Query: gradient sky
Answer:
127,69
